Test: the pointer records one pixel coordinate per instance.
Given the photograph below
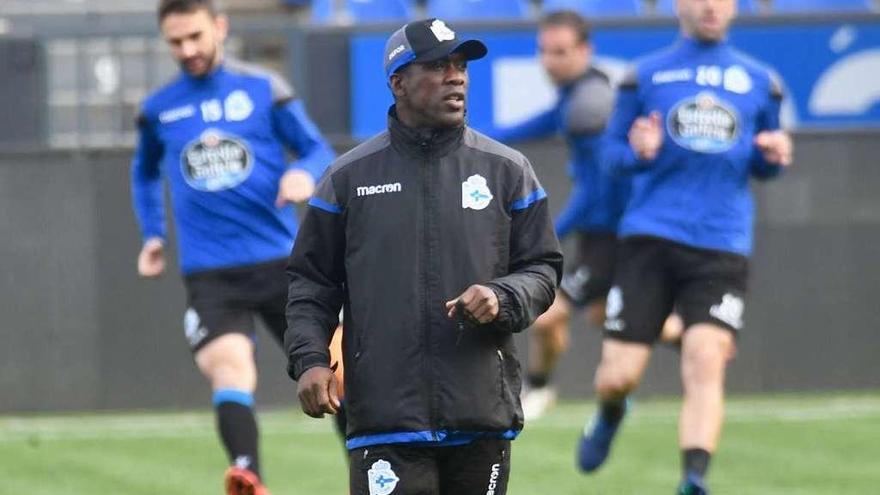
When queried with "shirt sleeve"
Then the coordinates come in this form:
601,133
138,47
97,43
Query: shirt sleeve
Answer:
579,204
768,120
316,277
617,155
535,265
539,126
146,182
300,135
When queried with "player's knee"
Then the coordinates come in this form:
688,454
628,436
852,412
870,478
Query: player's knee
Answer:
614,384
704,364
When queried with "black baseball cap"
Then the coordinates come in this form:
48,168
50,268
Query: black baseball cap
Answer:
427,40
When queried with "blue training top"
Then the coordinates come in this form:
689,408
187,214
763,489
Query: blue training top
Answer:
581,111
220,139
713,100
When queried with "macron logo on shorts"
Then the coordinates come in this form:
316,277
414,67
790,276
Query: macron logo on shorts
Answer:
380,189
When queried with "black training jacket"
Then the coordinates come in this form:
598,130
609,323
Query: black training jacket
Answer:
398,226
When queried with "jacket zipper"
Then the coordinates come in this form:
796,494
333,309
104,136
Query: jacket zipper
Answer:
425,170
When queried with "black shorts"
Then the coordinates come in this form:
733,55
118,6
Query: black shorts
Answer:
480,467
655,275
591,275
226,300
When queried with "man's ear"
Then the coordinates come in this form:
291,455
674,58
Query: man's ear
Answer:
395,82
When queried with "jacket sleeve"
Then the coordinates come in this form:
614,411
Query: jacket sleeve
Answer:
316,277
535,265
617,155
146,182
768,120
539,126
295,129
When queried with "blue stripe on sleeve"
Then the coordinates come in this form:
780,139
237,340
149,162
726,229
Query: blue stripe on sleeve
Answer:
527,201
324,205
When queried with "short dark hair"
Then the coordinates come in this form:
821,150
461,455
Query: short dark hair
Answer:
167,7
570,19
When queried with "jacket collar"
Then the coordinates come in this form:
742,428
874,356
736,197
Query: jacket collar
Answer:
423,142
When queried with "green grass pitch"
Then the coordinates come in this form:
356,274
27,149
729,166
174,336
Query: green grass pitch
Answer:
789,444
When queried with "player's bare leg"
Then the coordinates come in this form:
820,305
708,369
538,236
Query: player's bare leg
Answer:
706,349
228,364
619,373
548,342
673,328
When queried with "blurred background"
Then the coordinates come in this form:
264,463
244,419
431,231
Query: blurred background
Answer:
79,331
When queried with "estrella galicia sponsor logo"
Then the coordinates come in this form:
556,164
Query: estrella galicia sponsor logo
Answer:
382,479
380,189
704,123
493,479
216,161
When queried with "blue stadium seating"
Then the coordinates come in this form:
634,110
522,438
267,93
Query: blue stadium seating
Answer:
667,7
363,10
798,6
596,8
477,9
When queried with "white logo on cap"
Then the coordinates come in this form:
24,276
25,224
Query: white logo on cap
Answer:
441,31
396,51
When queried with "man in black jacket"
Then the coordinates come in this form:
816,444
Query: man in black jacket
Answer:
438,243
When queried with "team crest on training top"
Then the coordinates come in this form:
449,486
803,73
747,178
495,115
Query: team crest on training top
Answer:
238,106
442,31
382,479
737,80
475,193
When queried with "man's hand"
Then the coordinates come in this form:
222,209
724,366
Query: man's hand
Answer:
317,391
646,136
479,301
296,186
776,146
151,260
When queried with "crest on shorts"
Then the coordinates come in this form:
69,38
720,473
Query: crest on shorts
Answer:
475,193
441,31
730,310
613,308
192,327
382,479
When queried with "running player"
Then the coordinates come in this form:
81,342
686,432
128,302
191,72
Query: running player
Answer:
692,123
218,133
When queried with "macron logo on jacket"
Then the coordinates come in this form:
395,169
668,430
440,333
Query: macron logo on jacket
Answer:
380,189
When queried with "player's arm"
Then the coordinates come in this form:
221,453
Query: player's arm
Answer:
535,260
587,118
773,147
148,199
316,276
539,126
618,155
579,203
294,128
